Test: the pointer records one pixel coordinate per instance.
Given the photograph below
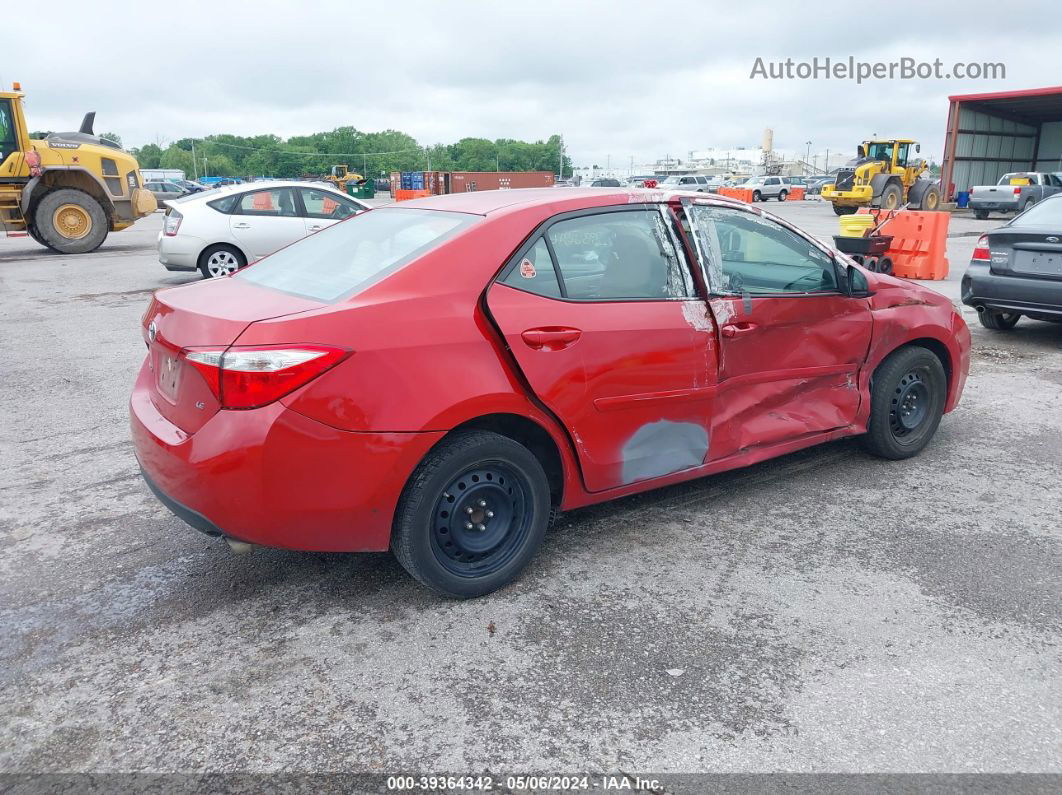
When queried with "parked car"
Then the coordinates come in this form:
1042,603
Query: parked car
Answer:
563,183
164,190
606,182
190,186
382,185
1017,269
692,182
814,184
764,188
441,376
1013,193
220,231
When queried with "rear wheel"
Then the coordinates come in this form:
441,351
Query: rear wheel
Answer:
931,198
221,260
782,195
981,215
998,321
885,265
472,515
906,403
839,209
70,221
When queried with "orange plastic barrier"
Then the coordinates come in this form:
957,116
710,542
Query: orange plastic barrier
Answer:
796,193
402,195
743,194
919,243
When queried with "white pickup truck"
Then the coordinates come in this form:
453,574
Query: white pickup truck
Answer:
1013,193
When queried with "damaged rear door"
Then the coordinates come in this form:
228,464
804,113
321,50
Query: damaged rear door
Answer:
599,312
791,343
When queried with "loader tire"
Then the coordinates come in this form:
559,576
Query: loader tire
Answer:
70,221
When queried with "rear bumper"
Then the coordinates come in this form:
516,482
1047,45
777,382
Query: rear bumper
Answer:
179,253
993,204
274,477
982,288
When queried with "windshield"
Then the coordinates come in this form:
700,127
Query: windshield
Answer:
1047,213
879,150
352,255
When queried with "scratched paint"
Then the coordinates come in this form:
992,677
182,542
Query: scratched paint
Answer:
696,314
663,447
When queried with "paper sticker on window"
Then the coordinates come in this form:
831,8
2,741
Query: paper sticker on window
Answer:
527,269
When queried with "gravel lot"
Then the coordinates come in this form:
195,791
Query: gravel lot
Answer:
820,612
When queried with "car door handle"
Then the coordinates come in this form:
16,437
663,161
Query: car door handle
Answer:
736,329
550,338
241,226
316,227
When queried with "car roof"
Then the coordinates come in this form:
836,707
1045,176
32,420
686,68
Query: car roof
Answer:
489,201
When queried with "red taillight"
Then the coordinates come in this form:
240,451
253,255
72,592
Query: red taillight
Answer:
981,251
253,376
1017,191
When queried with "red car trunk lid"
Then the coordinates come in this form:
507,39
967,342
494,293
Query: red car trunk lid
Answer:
202,315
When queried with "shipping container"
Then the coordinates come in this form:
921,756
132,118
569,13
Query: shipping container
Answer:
462,181
440,182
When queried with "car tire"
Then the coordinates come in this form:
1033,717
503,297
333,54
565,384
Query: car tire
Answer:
221,260
757,196
998,321
70,221
885,266
981,215
442,533
891,197
782,195
930,199
907,397
843,210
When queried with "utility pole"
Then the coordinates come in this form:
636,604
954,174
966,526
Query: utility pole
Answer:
195,166
826,165
807,157
560,157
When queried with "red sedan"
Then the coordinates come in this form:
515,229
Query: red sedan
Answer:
441,376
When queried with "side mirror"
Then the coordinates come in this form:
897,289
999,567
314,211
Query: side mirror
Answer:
918,147
861,152
858,285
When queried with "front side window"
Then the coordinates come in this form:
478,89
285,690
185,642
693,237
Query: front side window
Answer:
278,202
8,142
345,258
747,253
619,255
325,204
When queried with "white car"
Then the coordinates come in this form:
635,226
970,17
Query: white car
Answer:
219,231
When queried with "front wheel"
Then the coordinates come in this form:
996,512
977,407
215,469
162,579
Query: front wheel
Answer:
906,403
998,321
757,196
472,515
70,221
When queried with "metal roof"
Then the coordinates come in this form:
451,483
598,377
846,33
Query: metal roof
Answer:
1035,105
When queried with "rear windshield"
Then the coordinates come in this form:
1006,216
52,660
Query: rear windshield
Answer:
1046,213
349,256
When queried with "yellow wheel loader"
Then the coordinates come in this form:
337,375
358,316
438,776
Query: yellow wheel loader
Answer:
67,191
341,176
885,174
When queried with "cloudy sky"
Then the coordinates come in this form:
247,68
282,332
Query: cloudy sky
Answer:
618,79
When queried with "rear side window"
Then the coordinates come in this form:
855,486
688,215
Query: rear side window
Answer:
619,255
534,272
226,204
348,257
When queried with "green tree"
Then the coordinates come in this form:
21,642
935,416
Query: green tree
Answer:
148,156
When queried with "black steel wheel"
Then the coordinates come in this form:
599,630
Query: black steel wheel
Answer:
907,398
885,265
472,515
